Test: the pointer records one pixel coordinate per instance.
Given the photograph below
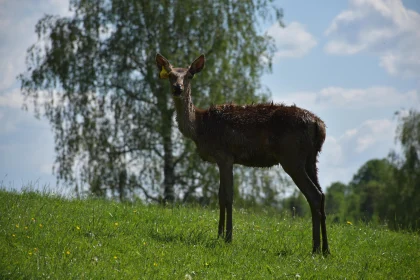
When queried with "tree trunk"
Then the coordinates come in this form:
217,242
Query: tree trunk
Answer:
168,169
168,157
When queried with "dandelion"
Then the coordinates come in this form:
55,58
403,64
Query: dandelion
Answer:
30,253
67,252
13,235
17,225
33,219
154,264
349,223
28,236
77,227
115,257
116,224
41,225
144,243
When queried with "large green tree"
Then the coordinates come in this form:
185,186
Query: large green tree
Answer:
93,76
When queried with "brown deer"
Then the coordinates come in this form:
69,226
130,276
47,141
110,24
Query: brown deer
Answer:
260,135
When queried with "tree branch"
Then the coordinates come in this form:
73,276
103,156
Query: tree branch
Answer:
132,94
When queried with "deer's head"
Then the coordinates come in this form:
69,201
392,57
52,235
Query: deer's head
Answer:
179,78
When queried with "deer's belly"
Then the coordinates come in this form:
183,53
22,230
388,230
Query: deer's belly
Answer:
241,155
255,159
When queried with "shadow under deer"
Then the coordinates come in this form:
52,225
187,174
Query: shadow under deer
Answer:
260,135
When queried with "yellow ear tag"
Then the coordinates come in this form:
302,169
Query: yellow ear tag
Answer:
163,74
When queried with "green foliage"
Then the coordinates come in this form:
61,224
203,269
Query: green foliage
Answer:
405,194
368,190
42,236
94,77
335,201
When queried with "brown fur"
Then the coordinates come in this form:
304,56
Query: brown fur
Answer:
260,135
248,133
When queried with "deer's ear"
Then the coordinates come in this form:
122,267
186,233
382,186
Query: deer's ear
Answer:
163,66
197,65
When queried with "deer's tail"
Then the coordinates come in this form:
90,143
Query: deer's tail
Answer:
320,134
318,141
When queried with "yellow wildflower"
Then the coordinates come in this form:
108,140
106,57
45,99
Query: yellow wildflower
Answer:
67,252
116,224
17,225
77,227
349,223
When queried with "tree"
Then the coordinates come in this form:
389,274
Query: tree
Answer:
335,200
404,195
93,75
367,190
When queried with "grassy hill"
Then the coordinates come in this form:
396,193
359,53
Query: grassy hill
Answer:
42,236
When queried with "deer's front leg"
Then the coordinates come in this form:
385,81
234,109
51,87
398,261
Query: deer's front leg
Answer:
221,211
226,199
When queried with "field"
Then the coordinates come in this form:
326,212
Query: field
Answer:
45,236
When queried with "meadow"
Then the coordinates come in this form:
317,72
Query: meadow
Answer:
47,236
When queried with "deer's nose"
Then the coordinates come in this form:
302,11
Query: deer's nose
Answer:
177,89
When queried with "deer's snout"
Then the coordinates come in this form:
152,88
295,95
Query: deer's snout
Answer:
177,89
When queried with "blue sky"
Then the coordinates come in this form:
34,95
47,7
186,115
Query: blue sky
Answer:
353,63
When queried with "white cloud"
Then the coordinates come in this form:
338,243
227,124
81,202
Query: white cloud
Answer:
343,155
370,133
11,99
17,30
356,98
381,27
291,41
365,136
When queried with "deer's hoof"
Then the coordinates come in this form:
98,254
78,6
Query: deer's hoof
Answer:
316,250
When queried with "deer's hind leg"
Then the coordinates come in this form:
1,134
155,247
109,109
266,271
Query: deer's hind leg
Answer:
312,172
296,169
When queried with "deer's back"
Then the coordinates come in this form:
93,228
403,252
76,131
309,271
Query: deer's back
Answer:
253,135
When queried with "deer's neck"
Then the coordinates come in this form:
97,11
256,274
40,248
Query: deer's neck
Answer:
185,114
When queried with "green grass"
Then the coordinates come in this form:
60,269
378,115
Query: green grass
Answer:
42,236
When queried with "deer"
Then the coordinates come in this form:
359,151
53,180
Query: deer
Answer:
255,135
